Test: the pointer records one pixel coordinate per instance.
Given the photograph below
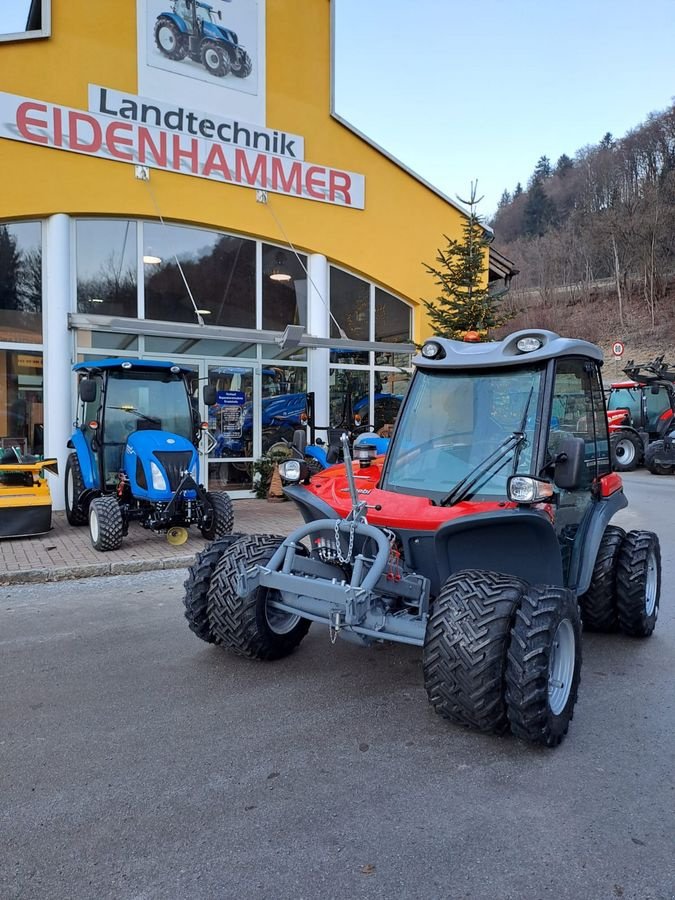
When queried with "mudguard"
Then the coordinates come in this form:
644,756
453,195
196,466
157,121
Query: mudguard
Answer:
178,21
587,541
85,457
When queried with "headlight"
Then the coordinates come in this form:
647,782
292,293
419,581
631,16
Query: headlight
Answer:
528,344
526,489
291,470
432,350
158,479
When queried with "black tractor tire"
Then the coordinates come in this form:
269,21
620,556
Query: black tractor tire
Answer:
544,665
169,39
221,519
625,451
654,467
242,65
638,583
215,59
598,604
245,625
106,527
197,586
74,485
465,648
313,465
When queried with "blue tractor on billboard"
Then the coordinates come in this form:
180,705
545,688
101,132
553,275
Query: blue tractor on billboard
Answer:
190,29
134,455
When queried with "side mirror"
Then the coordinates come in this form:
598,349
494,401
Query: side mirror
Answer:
569,464
210,395
87,390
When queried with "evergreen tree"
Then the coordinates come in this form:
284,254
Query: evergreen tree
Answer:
517,191
540,211
10,271
563,166
504,200
542,171
464,303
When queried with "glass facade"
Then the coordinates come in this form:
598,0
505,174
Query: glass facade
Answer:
106,253
21,282
21,406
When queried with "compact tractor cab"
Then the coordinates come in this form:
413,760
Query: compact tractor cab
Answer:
134,455
641,418
192,29
483,537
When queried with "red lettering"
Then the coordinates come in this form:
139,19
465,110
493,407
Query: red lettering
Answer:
290,184
146,142
24,121
191,155
258,177
216,162
315,187
76,140
115,140
58,126
339,183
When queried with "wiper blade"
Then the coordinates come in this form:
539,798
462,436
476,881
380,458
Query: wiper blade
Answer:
491,465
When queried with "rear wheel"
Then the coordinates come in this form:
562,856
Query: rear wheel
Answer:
197,586
215,59
598,604
626,450
657,468
74,486
220,520
105,523
170,40
465,648
246,624
638,583
544,665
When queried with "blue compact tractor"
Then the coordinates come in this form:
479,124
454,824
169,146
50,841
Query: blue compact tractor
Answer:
190,29
134,455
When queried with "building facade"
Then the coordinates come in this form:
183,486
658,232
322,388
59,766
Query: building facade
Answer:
179,187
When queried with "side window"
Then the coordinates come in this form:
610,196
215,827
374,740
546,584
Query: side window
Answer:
578,409
658,403
25,19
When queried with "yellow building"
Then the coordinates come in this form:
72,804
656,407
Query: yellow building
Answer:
173,188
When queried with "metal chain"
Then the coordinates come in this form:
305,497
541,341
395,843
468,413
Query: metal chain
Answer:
352,529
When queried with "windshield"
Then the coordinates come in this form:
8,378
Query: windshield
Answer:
153,400
454,422
626,398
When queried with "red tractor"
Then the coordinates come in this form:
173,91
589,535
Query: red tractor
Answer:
640,415
483,537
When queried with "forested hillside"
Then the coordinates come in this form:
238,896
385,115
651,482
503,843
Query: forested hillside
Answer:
594,239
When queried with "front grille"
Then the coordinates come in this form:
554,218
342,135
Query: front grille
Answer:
175,462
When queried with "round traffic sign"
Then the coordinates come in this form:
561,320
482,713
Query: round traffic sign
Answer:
618,348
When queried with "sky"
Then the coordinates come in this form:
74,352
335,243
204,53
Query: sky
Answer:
462,91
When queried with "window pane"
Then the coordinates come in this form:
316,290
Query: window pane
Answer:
105,340
173,346
219,269
349,394
21,282
350,306
274,351
21,410
24,19
284,400
284,288
392,318
106,267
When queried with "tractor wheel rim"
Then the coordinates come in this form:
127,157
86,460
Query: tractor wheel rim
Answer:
279,622
650,584
561,667
212,59
93,524
70,491
166,38
625,451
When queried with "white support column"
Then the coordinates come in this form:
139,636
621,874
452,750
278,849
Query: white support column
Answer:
318,325
58,414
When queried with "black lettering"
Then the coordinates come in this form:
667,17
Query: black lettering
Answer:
128,110
206,128
238,131
102,103
176,115
146,109
257,137
275,142
287,147
191,119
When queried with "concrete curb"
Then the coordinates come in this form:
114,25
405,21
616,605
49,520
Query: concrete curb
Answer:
96,570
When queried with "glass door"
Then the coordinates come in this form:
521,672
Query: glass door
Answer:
232,441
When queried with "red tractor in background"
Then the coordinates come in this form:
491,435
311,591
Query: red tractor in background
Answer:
640,413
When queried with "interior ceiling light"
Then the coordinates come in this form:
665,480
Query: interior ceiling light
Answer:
96,300
279,270
203,312
151,260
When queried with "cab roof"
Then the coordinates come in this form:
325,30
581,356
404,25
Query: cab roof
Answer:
106,365
492,354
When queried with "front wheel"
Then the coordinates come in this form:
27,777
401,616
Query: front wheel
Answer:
242,65
197,586
626,450
220,516
106,527
638,583
76,514
214,59
544,665
248,625
657,468
598,604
